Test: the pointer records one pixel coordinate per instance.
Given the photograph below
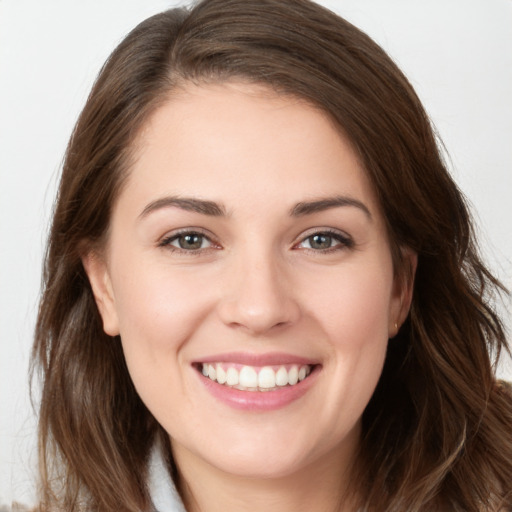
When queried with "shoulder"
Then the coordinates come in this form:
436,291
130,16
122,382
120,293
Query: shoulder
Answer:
505,384
504,387
16,507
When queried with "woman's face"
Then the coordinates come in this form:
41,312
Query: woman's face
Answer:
248,245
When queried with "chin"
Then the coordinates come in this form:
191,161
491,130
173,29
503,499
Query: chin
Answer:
259,455
262,465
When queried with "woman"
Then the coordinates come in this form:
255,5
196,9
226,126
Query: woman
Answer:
261,278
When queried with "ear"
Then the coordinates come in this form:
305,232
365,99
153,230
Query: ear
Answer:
403,290
99,277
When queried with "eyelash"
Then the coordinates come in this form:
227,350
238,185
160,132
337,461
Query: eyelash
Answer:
167,241
343,241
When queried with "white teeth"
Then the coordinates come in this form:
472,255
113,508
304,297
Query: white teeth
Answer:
248,377
267,378
221,374
252,379
293,376
232,377
282,377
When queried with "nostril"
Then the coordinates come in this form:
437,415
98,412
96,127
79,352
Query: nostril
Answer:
257,298
258,318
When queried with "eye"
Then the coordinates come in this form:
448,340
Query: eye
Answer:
187,241
324,241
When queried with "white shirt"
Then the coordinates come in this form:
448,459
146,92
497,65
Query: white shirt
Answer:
163,492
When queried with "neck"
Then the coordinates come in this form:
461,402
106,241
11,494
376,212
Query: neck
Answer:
320,485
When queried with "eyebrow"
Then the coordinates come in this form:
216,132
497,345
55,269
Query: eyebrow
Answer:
320,205
211,208
185,203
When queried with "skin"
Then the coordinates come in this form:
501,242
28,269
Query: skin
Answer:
257,284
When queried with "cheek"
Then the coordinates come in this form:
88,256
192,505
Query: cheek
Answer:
354,316
158,310
354,304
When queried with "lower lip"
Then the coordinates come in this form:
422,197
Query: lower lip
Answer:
259,400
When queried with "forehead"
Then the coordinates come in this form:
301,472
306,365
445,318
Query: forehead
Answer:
239,141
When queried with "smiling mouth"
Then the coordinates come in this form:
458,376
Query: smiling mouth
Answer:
254,378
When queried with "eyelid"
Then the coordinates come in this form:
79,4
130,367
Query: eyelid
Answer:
165,241
346,241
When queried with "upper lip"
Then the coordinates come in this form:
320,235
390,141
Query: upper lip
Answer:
249,359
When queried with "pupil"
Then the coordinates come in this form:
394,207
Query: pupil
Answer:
320,241
192,241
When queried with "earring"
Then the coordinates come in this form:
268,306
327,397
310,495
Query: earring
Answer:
396,327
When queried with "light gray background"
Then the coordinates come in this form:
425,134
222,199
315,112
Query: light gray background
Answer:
457,54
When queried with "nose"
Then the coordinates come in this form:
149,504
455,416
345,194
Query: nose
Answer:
258,296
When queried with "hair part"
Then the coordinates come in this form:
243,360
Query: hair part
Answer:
437,430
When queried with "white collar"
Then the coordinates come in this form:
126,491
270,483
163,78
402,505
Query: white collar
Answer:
163,492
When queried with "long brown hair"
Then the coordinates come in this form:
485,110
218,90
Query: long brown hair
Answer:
437,434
